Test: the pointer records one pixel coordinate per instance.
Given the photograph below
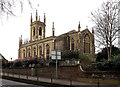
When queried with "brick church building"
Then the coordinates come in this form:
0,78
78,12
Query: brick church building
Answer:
40,46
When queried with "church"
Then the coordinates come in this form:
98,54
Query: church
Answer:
40,46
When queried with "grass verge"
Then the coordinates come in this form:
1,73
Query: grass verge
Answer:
102,81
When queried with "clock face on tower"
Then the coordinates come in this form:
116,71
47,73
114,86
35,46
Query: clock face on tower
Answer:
40,38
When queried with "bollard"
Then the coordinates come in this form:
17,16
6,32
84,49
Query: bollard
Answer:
37,78
3,73
8,73
71,80
13,74
27,76
51,79
118,81
103,76
19,75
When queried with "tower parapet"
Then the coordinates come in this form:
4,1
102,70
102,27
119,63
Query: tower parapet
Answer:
37,28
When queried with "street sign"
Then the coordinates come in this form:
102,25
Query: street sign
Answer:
56,55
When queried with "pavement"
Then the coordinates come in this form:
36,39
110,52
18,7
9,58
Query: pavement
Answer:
61,82
10,83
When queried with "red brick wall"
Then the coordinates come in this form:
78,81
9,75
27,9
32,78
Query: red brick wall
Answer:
63,72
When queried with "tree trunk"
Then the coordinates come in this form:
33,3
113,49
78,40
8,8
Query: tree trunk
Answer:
106,20
110,50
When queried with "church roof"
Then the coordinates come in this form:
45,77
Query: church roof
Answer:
70,32
2,57
86,30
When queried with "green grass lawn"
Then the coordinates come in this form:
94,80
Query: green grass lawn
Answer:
105,81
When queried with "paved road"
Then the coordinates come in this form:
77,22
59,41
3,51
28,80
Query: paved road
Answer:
15,84
9,83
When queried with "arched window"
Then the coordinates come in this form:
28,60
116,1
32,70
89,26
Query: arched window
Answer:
29,52
68,43
34,52
23,53
40,50
40,31
34,31
72,44
86,44
47,51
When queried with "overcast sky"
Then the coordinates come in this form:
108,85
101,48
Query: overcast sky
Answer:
65,14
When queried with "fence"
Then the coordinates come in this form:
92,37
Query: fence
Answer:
69,74
69,82
38,78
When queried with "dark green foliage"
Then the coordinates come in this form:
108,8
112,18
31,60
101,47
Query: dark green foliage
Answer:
101,56
84,58
3,61
111,65
17,64
6,65
68,55
25,63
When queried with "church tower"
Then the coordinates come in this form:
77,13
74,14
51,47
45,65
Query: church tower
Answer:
37,31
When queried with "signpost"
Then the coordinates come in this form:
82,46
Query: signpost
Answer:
56,55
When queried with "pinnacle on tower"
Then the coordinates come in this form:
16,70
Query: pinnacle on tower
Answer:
53,30
53,25
31,18
20,41
36,15
86,27
21,37
44,26
79,27
92,30
44,19
39,18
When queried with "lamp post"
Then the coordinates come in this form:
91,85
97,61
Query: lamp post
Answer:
11,63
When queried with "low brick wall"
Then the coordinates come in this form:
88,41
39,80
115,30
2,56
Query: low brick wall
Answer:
63,72
18,71
72,72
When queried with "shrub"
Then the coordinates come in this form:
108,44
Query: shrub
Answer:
110,65
103,54
84,58
68,55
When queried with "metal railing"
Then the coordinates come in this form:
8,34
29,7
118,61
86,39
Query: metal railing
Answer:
37,78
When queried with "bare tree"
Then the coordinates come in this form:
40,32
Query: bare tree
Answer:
106,25
7,6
